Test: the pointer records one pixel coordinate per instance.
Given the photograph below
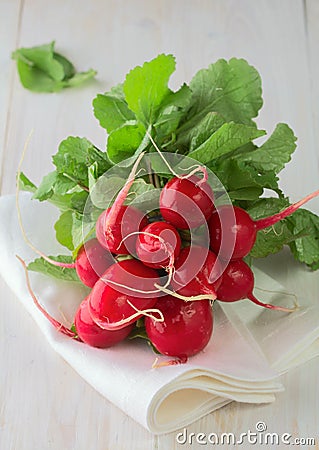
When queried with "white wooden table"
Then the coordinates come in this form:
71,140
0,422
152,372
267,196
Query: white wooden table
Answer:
44,404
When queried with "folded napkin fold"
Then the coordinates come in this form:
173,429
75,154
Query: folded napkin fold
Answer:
242,361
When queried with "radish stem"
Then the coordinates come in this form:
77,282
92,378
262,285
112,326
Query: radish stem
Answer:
111,217
198,168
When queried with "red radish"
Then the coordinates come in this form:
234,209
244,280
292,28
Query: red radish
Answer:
186,202
197,271
242,234
129,220
158,245
118,221
92,261
238,284
86,330
186,329
92,334
122,294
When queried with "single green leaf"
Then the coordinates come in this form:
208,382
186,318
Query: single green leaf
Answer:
111,109
274,153
63,229
146,87
62,273
63,184
42,58
123,142
81,231
72,160
305,248
25,184
36,80
41,69
227,138
247,193
46,187
233,89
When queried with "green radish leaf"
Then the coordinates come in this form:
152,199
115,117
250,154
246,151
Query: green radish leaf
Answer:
238,177
68,67
25,184
35,80
233,89
79,201
71,160
305,248
62,273
42,58
124,142
63,229
171,112
82,230
146,87
204,129
274,153
41,69
46,187
227,138
248,193
104,190
111,109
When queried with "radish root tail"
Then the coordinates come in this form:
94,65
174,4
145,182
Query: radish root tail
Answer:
269,221
171,362
57,325
252,298
112,326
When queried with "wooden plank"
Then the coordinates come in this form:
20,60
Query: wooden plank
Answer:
10,15
312,30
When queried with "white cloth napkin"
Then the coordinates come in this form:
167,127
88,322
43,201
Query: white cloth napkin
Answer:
236,365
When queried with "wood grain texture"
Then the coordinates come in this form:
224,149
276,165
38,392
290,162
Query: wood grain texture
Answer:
312,28
44,404
10,13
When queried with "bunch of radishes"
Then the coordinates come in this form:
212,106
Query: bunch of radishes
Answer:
142,268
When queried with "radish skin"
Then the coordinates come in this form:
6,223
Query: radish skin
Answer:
242,234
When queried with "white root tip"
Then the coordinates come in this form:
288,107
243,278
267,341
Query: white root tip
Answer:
105,324
191,298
